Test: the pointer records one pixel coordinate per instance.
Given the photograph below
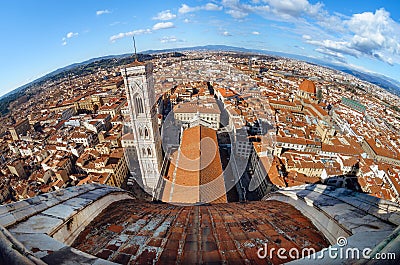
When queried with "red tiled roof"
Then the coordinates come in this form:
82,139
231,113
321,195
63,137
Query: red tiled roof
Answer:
148,233
308,86
198,176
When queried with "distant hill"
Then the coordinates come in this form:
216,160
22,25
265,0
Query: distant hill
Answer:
61,70
387,83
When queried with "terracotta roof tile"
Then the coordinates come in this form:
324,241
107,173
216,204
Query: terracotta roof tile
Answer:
231,233
195,172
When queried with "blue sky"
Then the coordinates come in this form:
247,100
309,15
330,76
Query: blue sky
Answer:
41,36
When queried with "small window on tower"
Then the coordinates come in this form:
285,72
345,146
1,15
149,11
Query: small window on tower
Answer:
146,133
139,105
148,151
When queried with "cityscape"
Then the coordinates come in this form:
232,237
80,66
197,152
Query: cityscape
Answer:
203,155
285,123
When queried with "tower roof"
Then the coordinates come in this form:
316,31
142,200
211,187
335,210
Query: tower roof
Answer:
308,86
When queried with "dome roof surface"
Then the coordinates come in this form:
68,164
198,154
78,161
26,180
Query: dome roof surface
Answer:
308,86
150,233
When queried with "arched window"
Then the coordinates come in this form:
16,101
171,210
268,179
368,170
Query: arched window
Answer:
144,151
148,151
141,132
146,133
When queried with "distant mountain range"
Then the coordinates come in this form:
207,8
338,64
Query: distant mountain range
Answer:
385,82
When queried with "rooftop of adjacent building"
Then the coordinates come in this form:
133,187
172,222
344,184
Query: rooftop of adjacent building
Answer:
195,171
208,106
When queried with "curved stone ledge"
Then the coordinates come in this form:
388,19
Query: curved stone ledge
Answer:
365,221
382,209
347,212
14,252
327,225
13,213
70,229
45,225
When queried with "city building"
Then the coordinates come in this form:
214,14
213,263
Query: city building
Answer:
204,111
307,89
380,152
20,128
87,138
193,173
353,104
139,85
110,169
17,168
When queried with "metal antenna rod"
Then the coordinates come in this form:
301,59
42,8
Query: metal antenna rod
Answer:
134,45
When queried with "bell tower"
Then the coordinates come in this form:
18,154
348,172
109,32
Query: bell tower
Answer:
139,86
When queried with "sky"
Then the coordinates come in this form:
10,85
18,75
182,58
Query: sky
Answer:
39,37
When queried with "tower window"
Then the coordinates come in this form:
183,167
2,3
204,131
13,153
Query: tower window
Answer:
139,105
148,151
146,133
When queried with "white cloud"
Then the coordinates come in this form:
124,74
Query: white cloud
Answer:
69,35
226,33
295,11
186,9
235,9
72,34
370,34
255,33
169,39
373,35
299,47
337,55
102,12
208,7
212,7
164,15
163,25
288,7
129,34
296,8
374,32
115,23
238,14
186,20
336,46
240,11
